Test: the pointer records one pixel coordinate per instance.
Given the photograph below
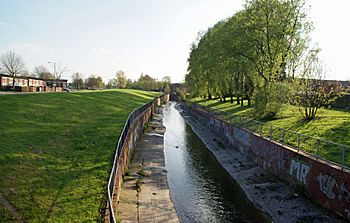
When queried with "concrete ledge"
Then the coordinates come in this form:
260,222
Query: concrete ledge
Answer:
145,194
258,166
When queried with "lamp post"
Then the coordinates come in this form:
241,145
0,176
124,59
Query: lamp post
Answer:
54,71
54,68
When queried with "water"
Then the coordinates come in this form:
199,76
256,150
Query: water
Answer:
200,188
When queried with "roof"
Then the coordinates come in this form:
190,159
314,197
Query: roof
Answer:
34,78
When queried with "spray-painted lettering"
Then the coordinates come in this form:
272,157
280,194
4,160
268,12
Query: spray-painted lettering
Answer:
299,170
327,184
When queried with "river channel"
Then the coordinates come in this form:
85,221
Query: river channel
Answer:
200,188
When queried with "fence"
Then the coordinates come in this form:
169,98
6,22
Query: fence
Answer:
134,116
334,153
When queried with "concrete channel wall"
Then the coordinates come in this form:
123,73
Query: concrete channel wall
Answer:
133,133
324,183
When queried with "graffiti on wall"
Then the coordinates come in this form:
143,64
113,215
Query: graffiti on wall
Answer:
331,189
299,170
327,184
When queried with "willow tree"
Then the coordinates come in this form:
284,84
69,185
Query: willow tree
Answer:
274,31
259,46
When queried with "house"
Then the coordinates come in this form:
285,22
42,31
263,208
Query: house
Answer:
30,84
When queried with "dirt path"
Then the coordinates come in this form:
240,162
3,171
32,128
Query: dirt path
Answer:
11,208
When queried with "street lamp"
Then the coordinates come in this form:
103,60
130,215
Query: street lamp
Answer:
54,68
54,72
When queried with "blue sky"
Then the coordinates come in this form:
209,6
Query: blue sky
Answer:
149,36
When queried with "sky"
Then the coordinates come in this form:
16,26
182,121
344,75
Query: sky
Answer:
141,36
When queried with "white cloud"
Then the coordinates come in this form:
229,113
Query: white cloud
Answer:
2,22
30,48
99,50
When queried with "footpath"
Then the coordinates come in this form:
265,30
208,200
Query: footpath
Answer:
278,201
145,193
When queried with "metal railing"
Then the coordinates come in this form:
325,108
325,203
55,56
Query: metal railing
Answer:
111,182
334,153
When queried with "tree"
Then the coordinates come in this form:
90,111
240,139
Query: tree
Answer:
38,70
111,84
60,70
130,84
165,84
120,79
26,73
47,76
242,56
312,92
77,80
94,82
43,73
146,82
12,65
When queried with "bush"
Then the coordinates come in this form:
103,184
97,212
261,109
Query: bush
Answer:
268,100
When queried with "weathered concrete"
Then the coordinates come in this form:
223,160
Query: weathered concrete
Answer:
277,200
151,202
122,159
323,182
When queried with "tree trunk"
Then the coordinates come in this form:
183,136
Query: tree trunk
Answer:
238,100
231,99
249,102
306,115
224,98
242,102
13,83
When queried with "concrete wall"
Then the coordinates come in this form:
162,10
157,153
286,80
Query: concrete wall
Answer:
324,183
135,131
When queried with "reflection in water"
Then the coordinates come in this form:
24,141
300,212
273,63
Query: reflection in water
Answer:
200,188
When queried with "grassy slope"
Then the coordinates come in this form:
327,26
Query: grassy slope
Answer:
56,150
331,124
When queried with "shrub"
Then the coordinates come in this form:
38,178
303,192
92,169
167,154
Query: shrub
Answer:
268,100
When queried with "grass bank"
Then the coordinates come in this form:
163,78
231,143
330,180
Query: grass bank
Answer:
331,125
56,151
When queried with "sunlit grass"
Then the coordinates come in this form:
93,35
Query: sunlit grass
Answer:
56,150
330,125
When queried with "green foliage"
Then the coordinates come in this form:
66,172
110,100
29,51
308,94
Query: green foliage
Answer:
257,47
147,83
94,82
331,125
77,80
120,80
268,100
56,150
311,92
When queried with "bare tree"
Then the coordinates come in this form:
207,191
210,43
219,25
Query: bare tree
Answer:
77,80
12,65
312,91
40,71
60,71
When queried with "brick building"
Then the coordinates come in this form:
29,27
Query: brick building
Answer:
30,84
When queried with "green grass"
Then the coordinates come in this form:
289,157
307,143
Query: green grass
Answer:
330,125
5,215
56,150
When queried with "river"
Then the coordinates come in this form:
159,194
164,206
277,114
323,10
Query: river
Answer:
201,190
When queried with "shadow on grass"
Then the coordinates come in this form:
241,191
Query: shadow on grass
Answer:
337,133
